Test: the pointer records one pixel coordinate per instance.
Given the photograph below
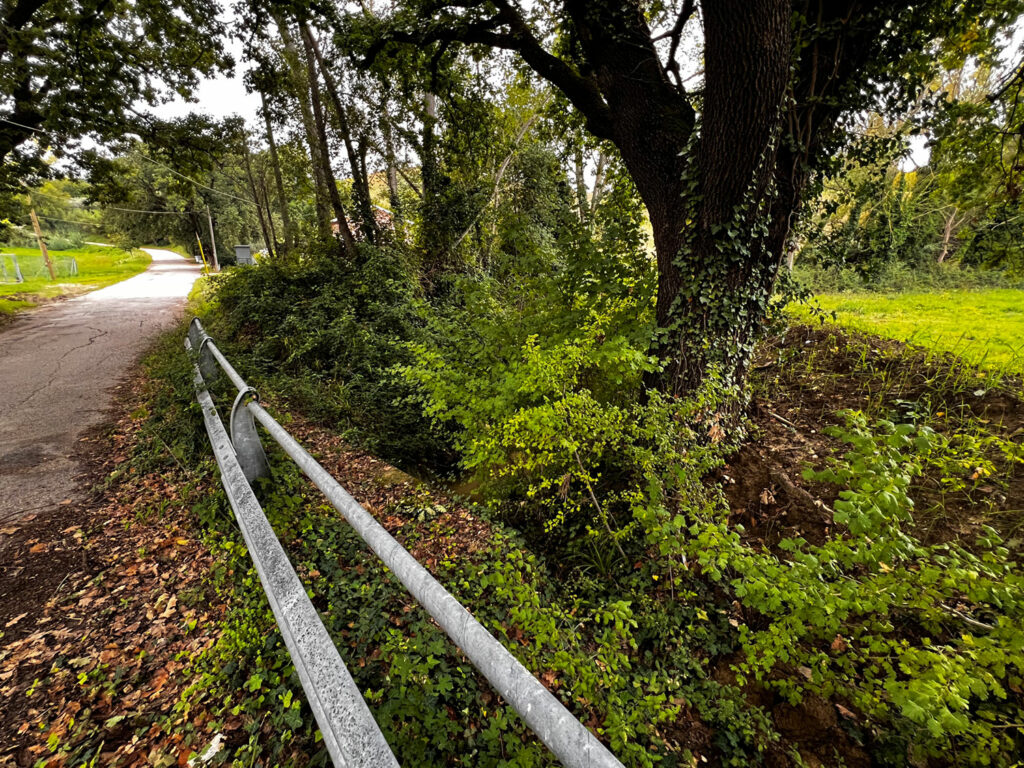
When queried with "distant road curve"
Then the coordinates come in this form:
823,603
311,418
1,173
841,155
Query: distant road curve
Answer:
57,366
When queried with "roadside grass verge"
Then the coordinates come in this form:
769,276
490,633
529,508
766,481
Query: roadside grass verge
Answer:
985,328
98,266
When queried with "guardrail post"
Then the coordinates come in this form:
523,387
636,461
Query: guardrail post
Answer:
244,438
207,363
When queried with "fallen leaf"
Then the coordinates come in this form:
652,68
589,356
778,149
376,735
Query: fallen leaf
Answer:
15,620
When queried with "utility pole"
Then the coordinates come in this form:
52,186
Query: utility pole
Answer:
213,241
42,243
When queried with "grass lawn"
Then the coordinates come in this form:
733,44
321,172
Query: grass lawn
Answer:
984,327
97,267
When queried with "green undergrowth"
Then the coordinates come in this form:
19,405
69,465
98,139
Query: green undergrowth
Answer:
607,555
615,663
687,648
901,277
324,335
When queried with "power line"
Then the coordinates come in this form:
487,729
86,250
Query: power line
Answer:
21,125
104,207
198,183
69,221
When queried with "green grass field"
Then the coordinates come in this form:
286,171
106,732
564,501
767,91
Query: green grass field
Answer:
984,327
97,267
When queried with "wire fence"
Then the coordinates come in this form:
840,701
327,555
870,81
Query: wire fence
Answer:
18,269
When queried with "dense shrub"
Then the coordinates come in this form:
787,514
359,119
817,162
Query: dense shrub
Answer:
326,334
64,243
926,642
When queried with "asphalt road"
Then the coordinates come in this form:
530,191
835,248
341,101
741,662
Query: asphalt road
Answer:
58,365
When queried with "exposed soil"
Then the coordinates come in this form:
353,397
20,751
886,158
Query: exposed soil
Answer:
99,599
804,377
104,607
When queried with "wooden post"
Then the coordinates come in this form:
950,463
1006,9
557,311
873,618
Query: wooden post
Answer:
213,241
42,243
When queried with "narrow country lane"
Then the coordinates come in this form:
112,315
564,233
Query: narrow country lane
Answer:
57,367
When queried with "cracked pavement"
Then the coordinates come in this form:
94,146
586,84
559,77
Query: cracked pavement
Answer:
59,366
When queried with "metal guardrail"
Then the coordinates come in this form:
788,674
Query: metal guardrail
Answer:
350,733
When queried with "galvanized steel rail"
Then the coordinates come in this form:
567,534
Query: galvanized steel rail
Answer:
556,727
350,733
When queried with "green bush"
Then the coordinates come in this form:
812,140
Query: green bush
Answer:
926,642
538,377
901,277
326,333
64,243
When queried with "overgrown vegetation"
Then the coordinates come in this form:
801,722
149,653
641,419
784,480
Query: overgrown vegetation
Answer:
716,535
898,607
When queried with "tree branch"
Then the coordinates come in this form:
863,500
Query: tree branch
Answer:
675,35
509,31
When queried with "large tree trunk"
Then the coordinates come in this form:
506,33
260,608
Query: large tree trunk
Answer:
433,238
721,200
725,269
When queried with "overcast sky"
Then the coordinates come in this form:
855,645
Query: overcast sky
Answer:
218,97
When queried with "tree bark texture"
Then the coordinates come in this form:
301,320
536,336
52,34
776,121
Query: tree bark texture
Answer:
301,86
348,243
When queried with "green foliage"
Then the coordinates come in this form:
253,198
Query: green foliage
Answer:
326,334
925,641
539,373
148,197
900,277
133,52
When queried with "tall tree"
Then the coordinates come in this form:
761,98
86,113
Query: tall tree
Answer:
300,84
360,182
721,167
320,122
69,68
275,161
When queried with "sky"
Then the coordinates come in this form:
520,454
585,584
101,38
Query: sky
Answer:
218,97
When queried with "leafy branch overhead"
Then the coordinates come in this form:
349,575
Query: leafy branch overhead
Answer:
738,150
